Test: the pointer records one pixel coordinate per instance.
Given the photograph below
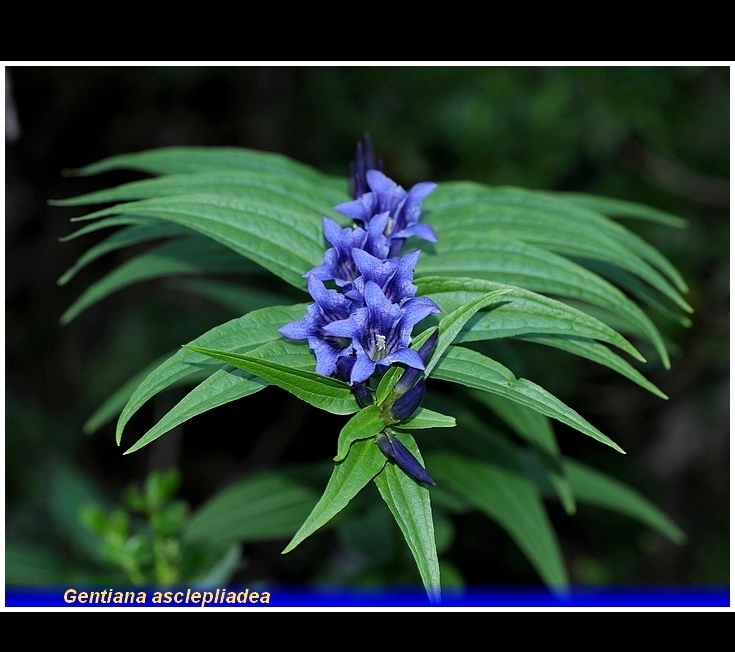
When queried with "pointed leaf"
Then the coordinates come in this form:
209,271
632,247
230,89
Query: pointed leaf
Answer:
231,183
178,160
241,334
623,208
194,255
596,488
317,390
425,418
265,506
363,425
536,429
472,369
521,312
514,263
513,502
362,464
410,505
124,238
285,241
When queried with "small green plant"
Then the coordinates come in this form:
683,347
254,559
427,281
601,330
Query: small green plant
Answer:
144,538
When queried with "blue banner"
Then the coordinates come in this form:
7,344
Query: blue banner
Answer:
260,597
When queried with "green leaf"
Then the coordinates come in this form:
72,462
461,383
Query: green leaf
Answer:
120,239
242,334
264,506
410,505
513,502
472,369
518,264
623,208
178,160
553,232
596,488
116,401
536,429
221,387
224,386
544,206
283,240
363,425
449,328
521,312
597,353
106,223
222,571
362,464
194,255
425,418
297,192
317,390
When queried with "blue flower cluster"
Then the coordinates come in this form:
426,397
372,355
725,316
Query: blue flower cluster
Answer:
361,324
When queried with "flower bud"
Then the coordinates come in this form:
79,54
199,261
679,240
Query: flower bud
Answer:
410,375
407,404
392,448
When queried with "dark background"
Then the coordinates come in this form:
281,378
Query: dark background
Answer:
658,135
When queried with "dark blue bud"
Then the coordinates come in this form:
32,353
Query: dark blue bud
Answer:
410,376
363,394
395,450
364,160
407,404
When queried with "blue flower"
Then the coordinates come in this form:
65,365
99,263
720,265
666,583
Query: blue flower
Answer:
329,306
381,331
404,209
339,265
393,275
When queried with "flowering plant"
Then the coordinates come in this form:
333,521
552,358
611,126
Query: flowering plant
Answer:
421,286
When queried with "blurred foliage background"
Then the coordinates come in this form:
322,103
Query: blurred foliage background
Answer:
657,135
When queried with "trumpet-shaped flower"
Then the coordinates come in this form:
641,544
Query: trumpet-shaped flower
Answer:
328,306
339,265
393,275
381,331
404,209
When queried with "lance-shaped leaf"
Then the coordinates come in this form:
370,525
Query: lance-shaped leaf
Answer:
241,334
195,255
363,425
320,391
449,327
521,312
410,505
264,506
555,233
127,237
613,207
536,429
425,418
456,194
285,241
522,265
601,490
513,502
472,369
363,462
180,160
224,386
227,183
